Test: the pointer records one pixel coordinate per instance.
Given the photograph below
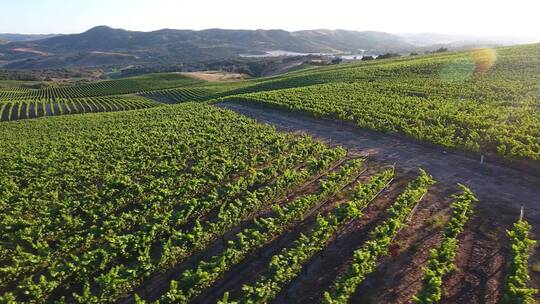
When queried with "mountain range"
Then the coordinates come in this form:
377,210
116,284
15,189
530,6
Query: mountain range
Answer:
106,46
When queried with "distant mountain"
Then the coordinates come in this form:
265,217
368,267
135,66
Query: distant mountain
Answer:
103,45
103,38
106,46
429,39
23,37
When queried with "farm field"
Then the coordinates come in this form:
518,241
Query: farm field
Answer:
103,88
498,209
109,96
484,101
25,109
353,183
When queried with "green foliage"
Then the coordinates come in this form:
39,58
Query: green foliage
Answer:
365,258
193,282
442,258
456,100
517,289
85,198
181,95
103,88
286,265
24,109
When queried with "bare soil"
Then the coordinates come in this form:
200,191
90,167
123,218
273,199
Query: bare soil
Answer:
215,76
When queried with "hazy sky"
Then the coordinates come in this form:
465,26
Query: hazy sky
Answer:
476,17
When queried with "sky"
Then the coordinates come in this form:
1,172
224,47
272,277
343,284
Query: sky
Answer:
518,18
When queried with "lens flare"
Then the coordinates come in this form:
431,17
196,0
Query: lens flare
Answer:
484,59
477,62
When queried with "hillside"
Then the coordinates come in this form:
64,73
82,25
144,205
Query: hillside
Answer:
102,46
485,101
23,37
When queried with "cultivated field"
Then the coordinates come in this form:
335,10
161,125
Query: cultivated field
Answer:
390,181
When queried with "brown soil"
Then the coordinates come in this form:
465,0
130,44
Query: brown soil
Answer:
215,76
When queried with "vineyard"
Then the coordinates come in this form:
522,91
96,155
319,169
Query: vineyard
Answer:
102,88
24,109
155,195
108,96
461,100
180,95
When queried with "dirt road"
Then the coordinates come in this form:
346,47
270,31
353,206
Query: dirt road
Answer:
494,184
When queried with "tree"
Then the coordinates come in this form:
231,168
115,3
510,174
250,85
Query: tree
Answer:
441,50
337,60
388,55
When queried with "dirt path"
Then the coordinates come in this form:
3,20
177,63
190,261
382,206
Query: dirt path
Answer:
493,183
483,255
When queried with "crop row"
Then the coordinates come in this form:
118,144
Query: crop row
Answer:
442,258
12,93
24,109
517,286
101,88
382,236
141,222
286,265
481,101
483,128
179,95
183,243
193,282
135,193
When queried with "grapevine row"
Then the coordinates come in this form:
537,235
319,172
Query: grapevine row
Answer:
286,265
130,182
24,109
138,224
442,258
382,236
193,282
517,288
102,88
179,95
183,243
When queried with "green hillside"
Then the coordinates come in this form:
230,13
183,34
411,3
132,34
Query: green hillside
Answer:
484,101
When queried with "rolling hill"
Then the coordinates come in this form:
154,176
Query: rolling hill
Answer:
103,45
24,37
